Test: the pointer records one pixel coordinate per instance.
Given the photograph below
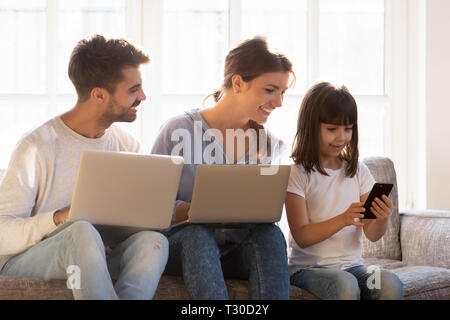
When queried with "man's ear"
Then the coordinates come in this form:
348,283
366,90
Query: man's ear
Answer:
99,95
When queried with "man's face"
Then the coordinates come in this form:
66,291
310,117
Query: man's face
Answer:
122,106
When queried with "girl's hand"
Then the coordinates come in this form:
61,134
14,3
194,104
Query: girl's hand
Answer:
353,212
382,209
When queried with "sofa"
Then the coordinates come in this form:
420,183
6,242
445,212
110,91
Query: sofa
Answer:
415,247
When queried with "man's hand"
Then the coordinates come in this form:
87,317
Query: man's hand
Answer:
61,215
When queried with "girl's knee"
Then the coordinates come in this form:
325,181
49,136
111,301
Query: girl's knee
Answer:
391,287
345,287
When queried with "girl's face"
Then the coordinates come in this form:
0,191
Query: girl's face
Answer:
333,139
263,94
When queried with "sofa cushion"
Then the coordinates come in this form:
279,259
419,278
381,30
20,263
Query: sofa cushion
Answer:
13,288
425,283
419,282
169,288
388,247
425,238
173,288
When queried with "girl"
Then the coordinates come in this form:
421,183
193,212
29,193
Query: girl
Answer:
326,194
254,85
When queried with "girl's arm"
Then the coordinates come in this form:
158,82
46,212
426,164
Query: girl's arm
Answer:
307,234
374,229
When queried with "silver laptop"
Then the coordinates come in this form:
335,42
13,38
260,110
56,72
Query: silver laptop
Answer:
122,193
236,194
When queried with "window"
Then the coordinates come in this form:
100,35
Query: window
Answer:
342,41
35,52
186,25
354,42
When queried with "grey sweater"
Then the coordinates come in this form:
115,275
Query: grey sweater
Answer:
41,177
204,147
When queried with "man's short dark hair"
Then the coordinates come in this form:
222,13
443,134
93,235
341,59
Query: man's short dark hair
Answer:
98,62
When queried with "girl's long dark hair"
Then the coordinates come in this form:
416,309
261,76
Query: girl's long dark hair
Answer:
325,103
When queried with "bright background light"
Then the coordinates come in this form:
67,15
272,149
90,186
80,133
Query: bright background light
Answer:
343,41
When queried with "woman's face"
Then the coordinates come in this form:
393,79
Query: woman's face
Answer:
260,96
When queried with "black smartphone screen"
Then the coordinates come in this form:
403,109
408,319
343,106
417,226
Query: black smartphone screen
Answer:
377,191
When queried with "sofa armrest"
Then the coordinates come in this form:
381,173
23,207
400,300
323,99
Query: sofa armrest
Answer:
425,237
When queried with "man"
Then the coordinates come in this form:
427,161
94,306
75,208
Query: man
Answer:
36,191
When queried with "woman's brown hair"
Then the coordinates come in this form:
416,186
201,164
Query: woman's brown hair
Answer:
325,103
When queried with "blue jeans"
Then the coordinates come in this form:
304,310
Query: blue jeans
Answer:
137,263
350,284
260,258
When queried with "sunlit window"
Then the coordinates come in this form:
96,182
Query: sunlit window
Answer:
81,18
23,48
343,41
285,24
351,38
35,49
194,42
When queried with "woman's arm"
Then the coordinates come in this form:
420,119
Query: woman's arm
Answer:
307,234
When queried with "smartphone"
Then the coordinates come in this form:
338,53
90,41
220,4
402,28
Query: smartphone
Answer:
377,191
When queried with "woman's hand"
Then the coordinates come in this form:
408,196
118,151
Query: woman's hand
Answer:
182,212
353,212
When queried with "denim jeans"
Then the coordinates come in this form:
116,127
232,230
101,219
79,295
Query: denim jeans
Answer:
137,263
260,258
349,284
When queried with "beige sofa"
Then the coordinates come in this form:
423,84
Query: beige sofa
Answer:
415,247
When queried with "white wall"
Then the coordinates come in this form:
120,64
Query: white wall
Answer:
438,104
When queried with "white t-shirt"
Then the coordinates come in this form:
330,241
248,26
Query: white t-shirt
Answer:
326,197
41,177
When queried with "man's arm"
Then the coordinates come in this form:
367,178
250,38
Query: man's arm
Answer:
18,193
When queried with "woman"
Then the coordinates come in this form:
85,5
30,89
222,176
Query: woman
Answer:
255,80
